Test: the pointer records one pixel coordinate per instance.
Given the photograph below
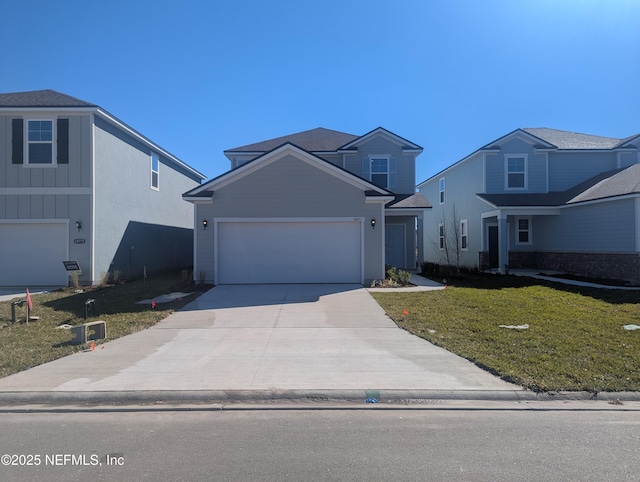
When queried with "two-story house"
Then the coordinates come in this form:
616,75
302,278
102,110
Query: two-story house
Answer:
319,206
540,198
78,184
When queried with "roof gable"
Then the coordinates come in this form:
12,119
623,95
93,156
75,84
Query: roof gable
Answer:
380,131
287,149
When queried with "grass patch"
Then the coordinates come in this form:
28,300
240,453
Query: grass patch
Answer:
27,345
575,339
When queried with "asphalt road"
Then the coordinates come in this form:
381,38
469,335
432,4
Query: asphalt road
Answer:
292,444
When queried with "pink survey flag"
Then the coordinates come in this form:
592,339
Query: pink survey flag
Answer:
29,303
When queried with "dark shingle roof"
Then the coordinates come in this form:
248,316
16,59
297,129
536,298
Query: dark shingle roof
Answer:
314,140
409,201
41,98
572,140
625,181
604,185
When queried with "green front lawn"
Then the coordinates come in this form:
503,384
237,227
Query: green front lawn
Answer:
25,345
575,339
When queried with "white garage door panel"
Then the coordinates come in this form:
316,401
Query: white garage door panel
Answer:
32,254
289,252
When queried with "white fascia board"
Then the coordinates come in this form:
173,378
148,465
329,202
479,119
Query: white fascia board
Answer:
279,153
522,211
378,199
484,200
199,200
419,212
152,145
22,111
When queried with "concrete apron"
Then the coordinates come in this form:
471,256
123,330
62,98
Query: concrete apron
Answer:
263,341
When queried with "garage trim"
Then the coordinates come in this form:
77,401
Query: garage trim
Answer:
217,221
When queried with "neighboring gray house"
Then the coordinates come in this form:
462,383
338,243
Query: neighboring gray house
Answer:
78,184
543,199
318,206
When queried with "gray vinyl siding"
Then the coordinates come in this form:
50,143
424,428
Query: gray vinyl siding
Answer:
496,168
269,193
628,159
567,169
406,175
462,182
157,223
608,227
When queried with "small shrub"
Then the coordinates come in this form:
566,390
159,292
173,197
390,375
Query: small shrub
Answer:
398,276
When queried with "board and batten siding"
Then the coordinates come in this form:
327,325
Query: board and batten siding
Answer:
269,193
58,192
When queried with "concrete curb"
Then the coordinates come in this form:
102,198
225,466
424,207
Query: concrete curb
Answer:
238,396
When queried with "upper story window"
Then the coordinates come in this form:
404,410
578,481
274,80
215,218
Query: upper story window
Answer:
40,142
516,171
380,171
155,172
441,189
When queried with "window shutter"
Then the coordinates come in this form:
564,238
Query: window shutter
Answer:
366,168
17,141
393,173
63,141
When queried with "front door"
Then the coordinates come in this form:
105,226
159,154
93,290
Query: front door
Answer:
493,246
394,245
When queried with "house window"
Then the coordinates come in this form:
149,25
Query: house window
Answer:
155,172
40,142
523,230
380,171
441,187
464,235
516,175
441,236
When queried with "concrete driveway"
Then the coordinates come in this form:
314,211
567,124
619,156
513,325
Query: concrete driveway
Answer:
265,339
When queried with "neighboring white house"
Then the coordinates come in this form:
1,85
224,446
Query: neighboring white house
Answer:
319,206
543,199
76,183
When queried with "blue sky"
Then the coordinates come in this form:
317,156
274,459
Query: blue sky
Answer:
198,77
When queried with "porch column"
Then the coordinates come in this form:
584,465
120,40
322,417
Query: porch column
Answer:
420,240
503,249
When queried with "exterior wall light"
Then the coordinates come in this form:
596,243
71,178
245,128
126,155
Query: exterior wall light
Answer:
373,224
78,225
205,223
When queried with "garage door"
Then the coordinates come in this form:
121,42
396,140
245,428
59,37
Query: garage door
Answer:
289,252
32,254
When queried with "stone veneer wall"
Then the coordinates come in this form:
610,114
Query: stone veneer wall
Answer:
621,266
